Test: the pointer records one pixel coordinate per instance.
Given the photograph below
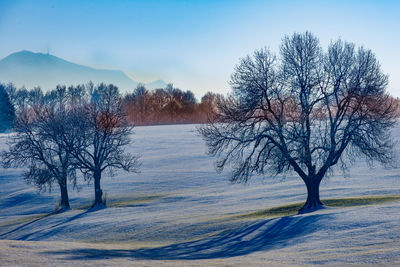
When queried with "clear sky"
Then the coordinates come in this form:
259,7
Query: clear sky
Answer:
193,44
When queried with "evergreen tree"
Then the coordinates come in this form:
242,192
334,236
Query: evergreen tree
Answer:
7,111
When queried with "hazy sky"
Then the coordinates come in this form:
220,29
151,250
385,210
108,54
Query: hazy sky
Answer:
193,44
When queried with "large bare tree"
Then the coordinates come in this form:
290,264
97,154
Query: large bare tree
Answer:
303,111
38,144
98,136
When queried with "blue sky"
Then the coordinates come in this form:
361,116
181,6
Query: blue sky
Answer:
193,44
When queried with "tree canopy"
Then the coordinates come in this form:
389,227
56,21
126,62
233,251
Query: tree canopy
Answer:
303,111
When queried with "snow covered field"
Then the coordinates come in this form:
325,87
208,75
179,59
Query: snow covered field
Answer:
177,211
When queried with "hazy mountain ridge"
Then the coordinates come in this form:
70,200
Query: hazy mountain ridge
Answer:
30,69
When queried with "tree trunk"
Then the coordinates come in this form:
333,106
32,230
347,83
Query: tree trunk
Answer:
313,202
64,194
98,193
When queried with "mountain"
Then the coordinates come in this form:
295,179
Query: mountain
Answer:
156,84
30,69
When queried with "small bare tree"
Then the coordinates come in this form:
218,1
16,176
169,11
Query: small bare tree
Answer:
98,136
38,143
302,112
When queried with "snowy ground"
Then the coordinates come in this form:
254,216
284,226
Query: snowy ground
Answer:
176,212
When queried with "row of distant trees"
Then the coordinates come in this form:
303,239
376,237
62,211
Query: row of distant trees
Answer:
168,105
69,133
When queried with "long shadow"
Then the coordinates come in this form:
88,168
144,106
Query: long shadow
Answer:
26,236
257,236
54,228
24,225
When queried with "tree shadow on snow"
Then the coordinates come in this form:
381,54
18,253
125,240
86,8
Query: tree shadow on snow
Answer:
42,233
16,229
256,236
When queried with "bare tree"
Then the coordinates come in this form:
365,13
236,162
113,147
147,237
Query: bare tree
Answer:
98,136
38,143
303,111
76,94
21,99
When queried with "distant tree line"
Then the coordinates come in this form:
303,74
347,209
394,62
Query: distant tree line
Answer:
168,106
